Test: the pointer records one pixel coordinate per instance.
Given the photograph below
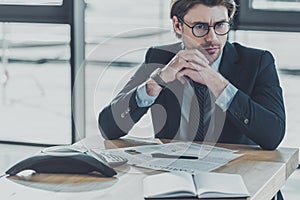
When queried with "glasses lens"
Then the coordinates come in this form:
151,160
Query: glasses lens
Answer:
200,30
222,28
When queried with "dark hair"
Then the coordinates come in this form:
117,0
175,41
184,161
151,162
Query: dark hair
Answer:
181,7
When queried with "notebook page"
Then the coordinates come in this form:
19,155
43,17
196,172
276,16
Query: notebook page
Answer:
169,185
216,185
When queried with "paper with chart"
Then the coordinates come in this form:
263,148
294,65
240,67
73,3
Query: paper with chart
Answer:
209,157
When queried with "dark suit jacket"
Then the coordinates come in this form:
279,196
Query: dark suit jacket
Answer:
255,116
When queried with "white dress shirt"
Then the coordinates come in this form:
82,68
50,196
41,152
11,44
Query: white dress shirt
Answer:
223,101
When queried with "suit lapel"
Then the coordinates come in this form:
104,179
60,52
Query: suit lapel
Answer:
175,87
229,67
171,99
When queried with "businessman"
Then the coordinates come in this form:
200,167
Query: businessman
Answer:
203,88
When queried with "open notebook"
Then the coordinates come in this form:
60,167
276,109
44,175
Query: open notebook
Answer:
201,185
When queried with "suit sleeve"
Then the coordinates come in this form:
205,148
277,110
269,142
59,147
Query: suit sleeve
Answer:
117,119
261,115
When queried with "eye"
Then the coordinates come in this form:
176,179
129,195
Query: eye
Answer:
201,26
220,25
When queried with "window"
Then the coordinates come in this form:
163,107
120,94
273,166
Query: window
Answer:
32,2
276,5
35,83
268,15
43,46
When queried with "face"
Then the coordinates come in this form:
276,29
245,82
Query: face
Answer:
212,43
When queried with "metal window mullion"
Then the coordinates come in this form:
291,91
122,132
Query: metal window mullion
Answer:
78,72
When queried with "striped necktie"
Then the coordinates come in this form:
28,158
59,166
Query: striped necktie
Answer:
198,120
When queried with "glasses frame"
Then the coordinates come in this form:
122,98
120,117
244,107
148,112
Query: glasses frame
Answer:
208,27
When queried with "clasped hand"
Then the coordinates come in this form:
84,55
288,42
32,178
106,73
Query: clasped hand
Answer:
194,64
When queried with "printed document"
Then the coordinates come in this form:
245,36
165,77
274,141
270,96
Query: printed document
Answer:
203,158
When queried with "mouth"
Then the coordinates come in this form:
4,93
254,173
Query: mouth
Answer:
211,50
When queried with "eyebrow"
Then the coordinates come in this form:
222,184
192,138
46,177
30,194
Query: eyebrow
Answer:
199,22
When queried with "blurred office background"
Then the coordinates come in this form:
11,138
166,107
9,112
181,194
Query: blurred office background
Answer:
36,80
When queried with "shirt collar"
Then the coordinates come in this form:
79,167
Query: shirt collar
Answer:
217,62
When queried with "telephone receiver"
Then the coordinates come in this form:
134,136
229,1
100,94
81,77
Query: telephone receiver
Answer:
63,162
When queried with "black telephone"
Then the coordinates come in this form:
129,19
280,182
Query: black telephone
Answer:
68,162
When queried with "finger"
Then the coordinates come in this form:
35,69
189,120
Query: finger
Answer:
181,77
195,76
206,54
188,65
194,56
192,74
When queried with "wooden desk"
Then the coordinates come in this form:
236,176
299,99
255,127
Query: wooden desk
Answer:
264,173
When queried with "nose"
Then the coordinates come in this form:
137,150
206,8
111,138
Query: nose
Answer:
211,36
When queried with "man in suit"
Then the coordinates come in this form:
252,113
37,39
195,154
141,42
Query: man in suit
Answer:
244,95
243,82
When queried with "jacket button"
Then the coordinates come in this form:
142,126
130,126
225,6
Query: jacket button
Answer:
246,121
123,115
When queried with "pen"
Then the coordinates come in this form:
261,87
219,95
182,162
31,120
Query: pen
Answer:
132,151
162,155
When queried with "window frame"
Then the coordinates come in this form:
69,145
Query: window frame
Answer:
249,18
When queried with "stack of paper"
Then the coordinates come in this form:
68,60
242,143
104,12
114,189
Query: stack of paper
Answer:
181,156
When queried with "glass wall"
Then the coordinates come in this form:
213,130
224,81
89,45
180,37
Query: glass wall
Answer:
35,92
35,82
117,38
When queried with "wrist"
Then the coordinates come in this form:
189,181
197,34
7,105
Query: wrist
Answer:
156,76
223,84
164,75
152,88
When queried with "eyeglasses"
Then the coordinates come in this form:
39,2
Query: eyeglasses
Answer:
202,29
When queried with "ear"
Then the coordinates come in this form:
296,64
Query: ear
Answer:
177,25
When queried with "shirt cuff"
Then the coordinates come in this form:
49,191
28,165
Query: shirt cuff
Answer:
142,98
226,97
